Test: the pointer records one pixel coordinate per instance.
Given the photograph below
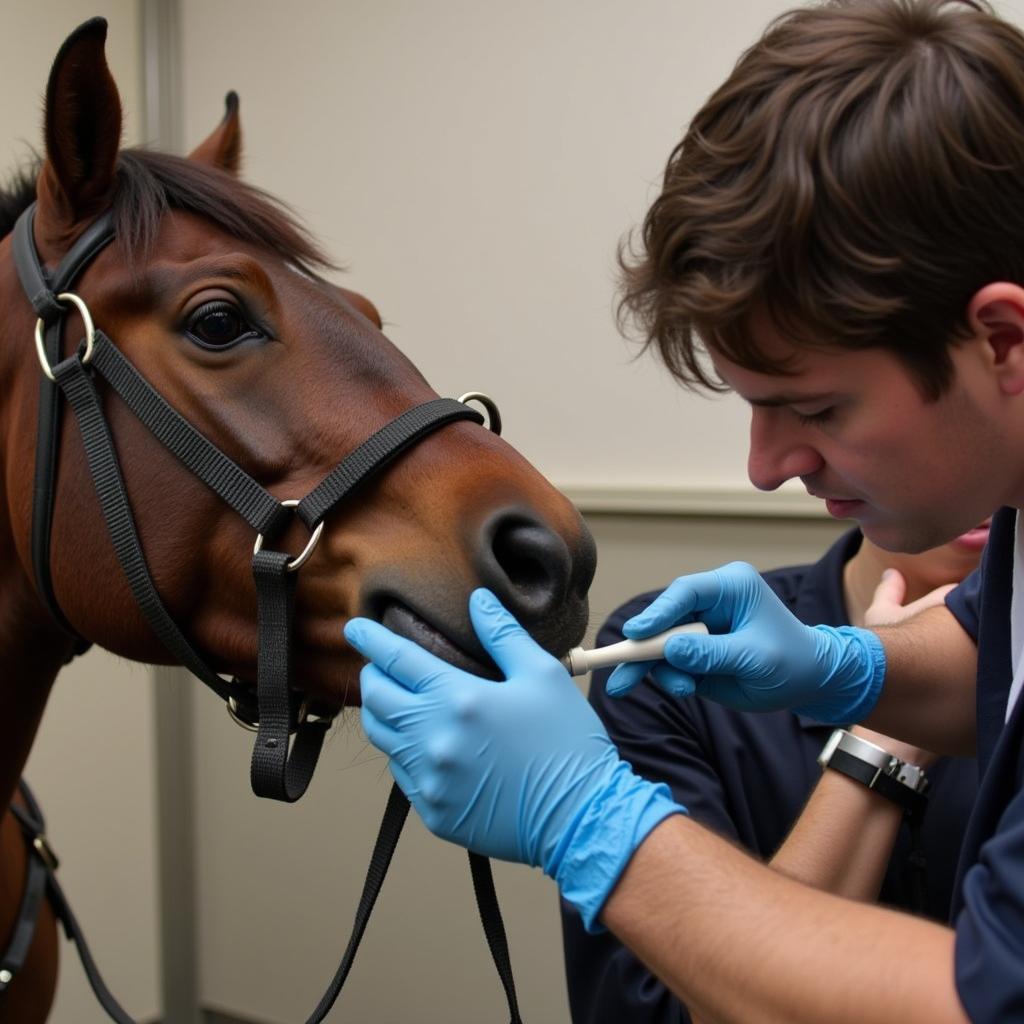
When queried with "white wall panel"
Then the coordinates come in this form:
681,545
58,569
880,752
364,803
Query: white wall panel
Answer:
474,164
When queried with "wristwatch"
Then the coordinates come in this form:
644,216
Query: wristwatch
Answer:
902,783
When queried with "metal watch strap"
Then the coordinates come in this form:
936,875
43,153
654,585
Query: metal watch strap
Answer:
883,776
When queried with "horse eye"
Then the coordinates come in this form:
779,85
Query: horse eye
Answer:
219,325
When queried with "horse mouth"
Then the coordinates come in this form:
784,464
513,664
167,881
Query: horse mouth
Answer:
401,619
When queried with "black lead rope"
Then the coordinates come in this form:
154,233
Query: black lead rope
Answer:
281,769
41,877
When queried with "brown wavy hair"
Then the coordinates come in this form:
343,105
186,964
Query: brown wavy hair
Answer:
860,175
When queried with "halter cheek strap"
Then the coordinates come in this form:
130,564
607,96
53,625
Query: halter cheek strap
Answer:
41,292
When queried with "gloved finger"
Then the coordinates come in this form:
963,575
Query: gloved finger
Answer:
406,662
383,737
511,647
389,701
678,603
672,681
625,677
699,654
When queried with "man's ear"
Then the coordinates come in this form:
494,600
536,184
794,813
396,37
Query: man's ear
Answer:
996,315
222,148
82,129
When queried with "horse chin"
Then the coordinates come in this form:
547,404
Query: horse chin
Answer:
405,622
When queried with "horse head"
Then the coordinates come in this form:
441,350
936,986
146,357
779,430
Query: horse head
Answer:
218,297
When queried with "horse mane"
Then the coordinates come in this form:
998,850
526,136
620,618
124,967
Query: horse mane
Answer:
151,183
16,195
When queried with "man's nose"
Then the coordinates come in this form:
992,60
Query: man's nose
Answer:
777,451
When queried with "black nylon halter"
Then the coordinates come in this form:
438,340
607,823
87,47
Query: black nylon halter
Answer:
277,710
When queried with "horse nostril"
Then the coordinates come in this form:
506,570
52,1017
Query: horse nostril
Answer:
526,564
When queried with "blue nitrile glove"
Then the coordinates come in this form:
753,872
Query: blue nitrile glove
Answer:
521,769
763,658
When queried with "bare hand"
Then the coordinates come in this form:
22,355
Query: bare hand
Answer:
887,607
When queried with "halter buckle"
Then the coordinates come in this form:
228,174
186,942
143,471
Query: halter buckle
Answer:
42,846
300,559
90,333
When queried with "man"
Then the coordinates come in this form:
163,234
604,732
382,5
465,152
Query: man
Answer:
842,232
748,776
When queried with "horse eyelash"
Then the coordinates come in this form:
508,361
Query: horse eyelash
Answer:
255,324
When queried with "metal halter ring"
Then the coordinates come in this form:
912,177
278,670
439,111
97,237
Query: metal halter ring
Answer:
236,717
299,560
304,716
490,407
90,332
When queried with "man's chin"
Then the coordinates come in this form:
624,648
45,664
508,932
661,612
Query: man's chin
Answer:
901,539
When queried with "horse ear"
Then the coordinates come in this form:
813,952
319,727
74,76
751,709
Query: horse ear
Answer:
82,130
364,305
222,148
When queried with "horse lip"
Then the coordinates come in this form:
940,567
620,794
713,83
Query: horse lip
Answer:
401,619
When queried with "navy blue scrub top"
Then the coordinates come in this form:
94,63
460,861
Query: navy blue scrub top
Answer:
988,908
747,777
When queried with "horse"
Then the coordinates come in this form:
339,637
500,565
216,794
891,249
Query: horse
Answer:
218,299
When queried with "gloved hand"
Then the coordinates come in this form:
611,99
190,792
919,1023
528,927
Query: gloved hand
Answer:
521,769
758,656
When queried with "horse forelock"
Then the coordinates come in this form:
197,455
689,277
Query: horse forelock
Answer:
149,184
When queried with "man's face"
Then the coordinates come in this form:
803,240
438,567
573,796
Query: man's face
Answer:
855,429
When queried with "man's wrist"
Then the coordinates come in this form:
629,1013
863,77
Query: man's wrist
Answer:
604,837
877,769
851,690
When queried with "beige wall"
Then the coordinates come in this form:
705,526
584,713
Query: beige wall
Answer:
91,767
474,164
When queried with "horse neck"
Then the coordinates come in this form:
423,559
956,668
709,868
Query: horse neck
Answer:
32,651
32,648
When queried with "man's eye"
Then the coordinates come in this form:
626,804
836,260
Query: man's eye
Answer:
219,325
819,416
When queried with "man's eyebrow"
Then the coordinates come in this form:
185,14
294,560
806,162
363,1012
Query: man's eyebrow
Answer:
795,398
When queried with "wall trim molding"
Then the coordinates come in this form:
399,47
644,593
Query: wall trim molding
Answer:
629,499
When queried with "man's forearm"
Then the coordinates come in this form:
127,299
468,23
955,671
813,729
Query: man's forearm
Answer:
842,841
928,698
739,942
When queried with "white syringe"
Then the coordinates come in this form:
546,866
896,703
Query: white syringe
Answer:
579,662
